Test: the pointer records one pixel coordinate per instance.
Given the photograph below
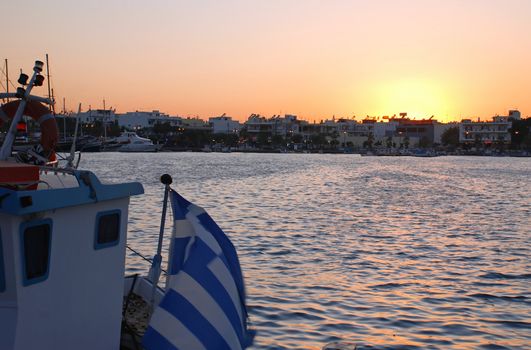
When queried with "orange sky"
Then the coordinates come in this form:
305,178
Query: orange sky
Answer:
312,58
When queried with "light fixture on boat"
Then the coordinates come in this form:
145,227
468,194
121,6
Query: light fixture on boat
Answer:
23,79
38,66
39,79
20,92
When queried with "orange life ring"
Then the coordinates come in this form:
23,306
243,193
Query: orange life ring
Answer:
41,114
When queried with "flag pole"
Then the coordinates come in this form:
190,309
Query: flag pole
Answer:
154,272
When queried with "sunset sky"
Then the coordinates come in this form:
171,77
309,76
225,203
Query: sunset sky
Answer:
315,59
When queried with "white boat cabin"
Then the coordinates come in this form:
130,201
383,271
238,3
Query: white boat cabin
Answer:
62,260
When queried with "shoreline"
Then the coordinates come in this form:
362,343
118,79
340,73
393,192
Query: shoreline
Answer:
363,153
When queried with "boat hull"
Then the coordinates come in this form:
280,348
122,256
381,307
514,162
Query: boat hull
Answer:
140,148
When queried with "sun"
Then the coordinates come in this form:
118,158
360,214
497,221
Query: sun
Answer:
418,98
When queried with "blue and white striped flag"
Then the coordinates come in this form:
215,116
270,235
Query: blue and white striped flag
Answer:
204,305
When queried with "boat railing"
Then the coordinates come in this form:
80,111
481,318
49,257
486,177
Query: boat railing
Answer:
53,168
45,100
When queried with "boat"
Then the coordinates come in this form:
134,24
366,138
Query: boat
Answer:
129,141
424,153
84,143
63,242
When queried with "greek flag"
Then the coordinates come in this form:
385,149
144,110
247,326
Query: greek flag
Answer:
204,304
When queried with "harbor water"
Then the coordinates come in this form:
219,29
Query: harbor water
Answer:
383,252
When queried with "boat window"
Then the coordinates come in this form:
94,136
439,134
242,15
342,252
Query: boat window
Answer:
36,245
2,273
107,229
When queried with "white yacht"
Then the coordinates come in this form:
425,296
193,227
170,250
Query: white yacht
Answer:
130,142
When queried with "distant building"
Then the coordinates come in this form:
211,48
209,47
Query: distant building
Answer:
350,132
514,114
277,125
330,127
139,119
307,130
285,126
98,115
257,124
384,130
196,124
423,130
487,132
439,129
224,125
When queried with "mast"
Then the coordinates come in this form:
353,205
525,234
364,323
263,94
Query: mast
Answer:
104,122
64,120
51,96
50,90
48,77
7,80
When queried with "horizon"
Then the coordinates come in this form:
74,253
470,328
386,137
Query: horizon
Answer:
315,60
379,119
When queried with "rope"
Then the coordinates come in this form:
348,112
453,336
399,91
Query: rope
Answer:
145,258
4,74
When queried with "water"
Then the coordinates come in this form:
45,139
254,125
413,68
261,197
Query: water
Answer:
386,252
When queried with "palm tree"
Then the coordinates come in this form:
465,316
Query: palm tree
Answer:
389,142
370,140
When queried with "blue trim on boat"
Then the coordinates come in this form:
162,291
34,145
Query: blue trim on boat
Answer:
90,190
97,245
2,273
23,227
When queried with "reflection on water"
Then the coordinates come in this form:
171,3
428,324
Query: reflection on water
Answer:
402,253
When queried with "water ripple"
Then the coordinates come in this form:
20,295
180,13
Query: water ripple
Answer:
382,252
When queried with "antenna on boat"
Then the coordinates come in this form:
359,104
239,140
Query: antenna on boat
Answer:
154,271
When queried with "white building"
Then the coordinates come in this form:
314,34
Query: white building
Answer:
138,120
384,130
257,124
196,124
487,132
224,125
330,127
